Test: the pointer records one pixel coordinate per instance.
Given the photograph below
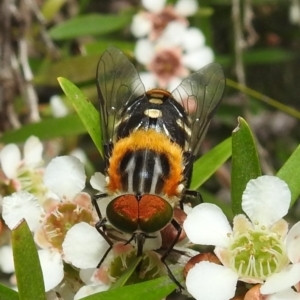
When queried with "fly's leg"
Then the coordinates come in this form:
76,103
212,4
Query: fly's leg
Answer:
190,196
163,258
100,225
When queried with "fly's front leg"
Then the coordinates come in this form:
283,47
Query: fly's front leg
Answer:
192,197
95,198
100,225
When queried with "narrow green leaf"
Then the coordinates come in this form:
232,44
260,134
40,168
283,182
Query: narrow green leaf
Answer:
92,24
149,290
85,109
98,47
126,275
207,164
46,129
290,173
245,163
8,294
27,265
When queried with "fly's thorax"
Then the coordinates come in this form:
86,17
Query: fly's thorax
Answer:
146,162
157,110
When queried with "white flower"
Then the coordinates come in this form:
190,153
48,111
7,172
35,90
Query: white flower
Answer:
153,22
10,156
50,223
24,173
168,61
254,250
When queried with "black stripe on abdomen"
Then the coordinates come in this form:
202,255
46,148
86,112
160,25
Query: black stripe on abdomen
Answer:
144,171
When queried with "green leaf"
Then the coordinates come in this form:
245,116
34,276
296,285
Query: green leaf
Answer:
245,163
211,161
126,275
46,129
260,56
85,109
290,173
149,290
78,69
92,24
8,294
98,47
27,265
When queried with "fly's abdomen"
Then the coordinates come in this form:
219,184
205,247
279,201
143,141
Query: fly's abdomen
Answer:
144,171
146,162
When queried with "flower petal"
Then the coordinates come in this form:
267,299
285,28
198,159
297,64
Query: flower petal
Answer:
186,7
266,199
75,246
6,259
210,281
86,275
193,39
174,83
58,107
65,176
52,268
33,150
172,35
90,290
206,224
140,25
154,5
283,280
284,295
10,158
98,182
144,51
293,243
21,205
199,58
80,154
148,79
241,224
281,228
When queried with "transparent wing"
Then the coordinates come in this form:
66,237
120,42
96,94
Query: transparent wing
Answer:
118,83
200,94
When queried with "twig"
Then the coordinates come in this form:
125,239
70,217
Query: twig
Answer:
8,89
248,24
239,45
